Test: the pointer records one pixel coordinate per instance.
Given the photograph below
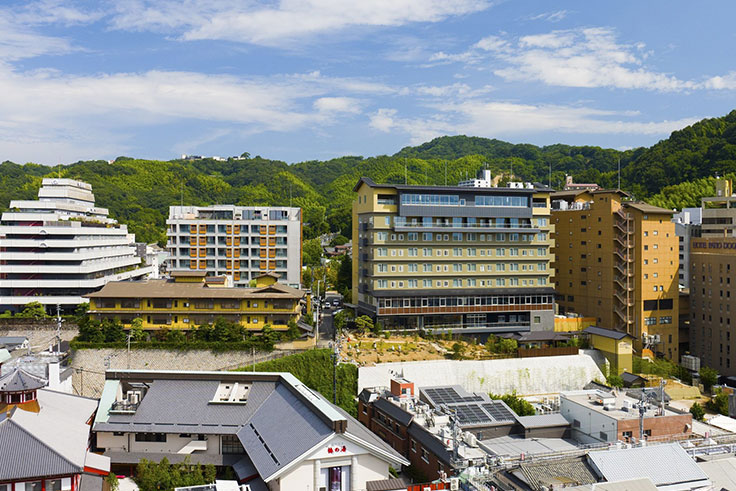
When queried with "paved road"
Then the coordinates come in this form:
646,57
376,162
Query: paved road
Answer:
326,328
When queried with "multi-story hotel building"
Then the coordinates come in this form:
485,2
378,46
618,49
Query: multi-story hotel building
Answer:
617,261
465,259
190,300
713,302
238,241
712,263
60,247
719,212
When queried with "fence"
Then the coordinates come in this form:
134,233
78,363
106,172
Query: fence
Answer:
554,351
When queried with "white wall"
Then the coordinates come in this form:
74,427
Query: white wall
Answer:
172,445
525,376
592,422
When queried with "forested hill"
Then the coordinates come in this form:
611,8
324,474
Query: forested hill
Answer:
139,192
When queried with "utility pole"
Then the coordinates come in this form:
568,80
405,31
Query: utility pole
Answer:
58,328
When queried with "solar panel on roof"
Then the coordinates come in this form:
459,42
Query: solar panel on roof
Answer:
470,414
498,412
448,395
443,395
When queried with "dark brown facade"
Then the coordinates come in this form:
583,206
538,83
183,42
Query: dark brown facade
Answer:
712,303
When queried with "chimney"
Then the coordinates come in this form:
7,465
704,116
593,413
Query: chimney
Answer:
402,388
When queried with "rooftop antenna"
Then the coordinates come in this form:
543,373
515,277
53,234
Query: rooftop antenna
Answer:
445,172
406,175
550,175
619,173
289,194
181,189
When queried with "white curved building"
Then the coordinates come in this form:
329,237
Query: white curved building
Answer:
60,247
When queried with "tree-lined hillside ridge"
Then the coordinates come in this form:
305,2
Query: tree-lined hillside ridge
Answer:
674,173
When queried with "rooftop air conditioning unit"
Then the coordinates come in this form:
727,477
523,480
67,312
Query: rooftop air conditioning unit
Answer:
454,484
134,396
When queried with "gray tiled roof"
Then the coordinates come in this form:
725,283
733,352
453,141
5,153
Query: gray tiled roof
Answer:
430,442
387,484
358,430
272,446
19,380
608,333
392,410
555,472
543,420
666,464
28,457
192,414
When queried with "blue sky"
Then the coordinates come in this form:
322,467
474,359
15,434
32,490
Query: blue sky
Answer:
316,79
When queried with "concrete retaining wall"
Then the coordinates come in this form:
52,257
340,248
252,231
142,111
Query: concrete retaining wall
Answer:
527,376
90,364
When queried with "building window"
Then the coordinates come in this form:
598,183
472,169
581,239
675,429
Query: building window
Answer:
425,455
650,321
150,437
231,445
666,319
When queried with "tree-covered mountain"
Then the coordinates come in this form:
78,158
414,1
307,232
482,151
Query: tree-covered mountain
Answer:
673,173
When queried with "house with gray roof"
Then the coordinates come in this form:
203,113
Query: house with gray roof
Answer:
44,437
272,430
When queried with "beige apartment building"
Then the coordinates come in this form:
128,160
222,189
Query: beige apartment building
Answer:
617,260
470,259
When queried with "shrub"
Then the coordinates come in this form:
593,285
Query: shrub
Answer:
615,381
697,411
520,406
708,376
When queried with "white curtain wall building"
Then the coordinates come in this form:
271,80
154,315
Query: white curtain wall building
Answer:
61,246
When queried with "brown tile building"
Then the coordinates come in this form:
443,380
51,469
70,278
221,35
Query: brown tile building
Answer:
712,303
617,260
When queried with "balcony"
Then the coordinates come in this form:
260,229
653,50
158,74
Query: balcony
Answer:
403,226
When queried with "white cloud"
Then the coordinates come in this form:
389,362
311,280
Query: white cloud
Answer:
726,82
282,22
90,116
18,42
337,105
551,16
505,119
584,57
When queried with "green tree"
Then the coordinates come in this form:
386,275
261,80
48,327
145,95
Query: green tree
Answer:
344,281
136,330
719,403
312,252
697,411
708,376
112,330
339,240
615,381
458,351
520,406
364,323
34,310
90,330
341,319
